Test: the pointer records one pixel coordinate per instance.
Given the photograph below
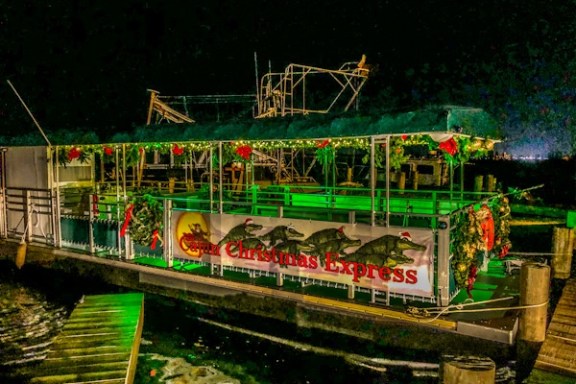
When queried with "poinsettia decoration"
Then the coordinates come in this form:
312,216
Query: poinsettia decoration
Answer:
177,150
69,154
449,146
244,151
108,151
73,153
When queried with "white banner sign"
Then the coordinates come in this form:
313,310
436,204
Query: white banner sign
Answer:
394,259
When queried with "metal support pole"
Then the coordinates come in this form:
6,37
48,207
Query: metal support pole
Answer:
387,181
56,200
373,175
220,180
91,245
443,294
27,216
168,243
118,208
3,217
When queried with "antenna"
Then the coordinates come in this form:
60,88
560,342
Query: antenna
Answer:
257,82
30,113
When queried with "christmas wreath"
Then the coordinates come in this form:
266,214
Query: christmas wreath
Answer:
143,220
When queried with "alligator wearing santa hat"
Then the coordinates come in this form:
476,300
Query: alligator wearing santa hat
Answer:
387,250
241,231
280,234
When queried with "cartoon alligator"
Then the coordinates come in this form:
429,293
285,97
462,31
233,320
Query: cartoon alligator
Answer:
325,235
385,251
241,231
334,246
294,246
280,233
249,243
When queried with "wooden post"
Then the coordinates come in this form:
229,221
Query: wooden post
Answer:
534,291
401,181
415,180
478,183
562,248
491,183
279,279
351,291
467,369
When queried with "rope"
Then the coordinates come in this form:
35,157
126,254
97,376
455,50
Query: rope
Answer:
439,311
487,200
37,225
27,226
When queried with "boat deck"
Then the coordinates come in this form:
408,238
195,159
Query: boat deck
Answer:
489,314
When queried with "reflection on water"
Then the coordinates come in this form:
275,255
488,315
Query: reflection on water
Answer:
255,350
187,343
28,324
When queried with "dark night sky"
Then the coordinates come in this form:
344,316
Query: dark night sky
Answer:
89,63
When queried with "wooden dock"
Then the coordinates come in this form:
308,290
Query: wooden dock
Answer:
557,356
98,344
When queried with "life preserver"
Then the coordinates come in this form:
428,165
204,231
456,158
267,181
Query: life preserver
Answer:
487,225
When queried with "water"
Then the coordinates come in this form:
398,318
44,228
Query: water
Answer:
268,351
28,324
188,343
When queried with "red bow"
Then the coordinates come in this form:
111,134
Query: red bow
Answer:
471,279
127,219
154,239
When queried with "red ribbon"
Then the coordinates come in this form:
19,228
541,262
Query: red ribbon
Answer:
473,272
95,204
154,239
127,220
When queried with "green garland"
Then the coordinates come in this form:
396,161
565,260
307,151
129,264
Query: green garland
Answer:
469,240
502,243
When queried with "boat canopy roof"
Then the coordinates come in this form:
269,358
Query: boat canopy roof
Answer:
458,120
455,119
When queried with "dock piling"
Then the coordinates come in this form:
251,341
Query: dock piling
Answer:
562,248
467,369
534,293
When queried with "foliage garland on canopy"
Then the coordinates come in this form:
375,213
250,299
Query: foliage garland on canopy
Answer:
143,220
480,232
454,148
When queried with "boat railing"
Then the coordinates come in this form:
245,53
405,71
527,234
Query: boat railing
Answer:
28,215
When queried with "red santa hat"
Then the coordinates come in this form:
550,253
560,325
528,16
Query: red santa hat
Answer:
405,235
248,221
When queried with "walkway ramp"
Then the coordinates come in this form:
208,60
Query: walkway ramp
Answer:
98,344
558,352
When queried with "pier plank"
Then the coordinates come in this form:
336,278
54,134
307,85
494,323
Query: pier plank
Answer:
98,343
558,351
